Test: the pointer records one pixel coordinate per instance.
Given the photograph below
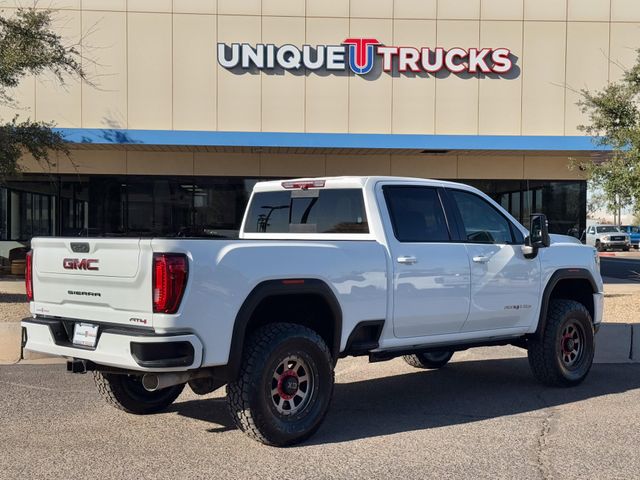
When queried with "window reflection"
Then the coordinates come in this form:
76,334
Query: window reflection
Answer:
564,202
112,205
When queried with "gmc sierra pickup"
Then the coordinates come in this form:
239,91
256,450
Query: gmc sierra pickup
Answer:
324,268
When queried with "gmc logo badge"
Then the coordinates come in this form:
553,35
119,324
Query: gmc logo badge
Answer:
77,264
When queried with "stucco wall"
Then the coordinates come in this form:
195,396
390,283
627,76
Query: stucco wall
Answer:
450,166
154,65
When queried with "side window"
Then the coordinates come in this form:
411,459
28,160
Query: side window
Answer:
416,214
482,222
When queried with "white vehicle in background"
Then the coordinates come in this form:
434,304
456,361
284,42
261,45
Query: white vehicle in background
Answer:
607,237
324,268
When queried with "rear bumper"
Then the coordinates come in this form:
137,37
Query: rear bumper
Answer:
125,348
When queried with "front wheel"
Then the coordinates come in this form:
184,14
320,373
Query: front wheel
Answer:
125,392
563,355
284,387
599,247
430,360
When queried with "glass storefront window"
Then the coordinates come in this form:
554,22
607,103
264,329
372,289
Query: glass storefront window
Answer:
111,205
219,205
564,202
3,214
74,207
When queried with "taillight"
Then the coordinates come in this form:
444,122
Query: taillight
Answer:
28,276
170,271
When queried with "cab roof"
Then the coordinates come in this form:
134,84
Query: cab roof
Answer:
349,182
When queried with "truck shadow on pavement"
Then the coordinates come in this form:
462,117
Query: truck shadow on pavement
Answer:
462,392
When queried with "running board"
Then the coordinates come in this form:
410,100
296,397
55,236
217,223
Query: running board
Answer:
383,356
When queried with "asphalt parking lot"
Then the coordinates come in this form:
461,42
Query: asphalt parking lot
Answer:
482,416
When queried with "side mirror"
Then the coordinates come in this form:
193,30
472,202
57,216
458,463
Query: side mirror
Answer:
538,236
539,231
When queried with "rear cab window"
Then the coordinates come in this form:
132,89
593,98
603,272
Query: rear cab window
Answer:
312,211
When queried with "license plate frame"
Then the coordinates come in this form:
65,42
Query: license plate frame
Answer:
85,334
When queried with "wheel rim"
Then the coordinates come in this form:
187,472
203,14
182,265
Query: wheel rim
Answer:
291,385
571,348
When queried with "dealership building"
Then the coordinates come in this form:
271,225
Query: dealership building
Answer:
189,103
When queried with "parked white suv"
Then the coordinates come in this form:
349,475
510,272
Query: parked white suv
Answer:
324,268
608,237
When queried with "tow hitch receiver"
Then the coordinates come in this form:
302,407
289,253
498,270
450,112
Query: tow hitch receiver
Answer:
77,366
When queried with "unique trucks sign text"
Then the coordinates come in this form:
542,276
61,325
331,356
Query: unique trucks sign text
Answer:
361,54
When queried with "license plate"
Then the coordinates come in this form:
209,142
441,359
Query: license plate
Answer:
85,334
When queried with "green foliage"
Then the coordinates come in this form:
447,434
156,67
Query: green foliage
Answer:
614,120
37,138
29,46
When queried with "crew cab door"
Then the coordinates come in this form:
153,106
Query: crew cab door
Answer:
431,278
505,286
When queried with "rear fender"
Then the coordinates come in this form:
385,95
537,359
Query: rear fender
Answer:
280,287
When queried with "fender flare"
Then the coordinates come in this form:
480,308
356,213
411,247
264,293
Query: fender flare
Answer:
558,275
280,287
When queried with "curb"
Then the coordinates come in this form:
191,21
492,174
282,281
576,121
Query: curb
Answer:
615,343
10,338
10,346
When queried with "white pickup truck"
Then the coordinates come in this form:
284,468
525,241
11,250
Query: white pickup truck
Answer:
323,269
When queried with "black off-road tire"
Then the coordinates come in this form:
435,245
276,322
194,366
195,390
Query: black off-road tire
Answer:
625,249
547,352
599,247
250,397
430,360
125,392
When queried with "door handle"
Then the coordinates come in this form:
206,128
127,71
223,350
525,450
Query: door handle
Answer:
481,259
407,260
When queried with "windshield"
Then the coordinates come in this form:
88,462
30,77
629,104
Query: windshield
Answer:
607,229
632,229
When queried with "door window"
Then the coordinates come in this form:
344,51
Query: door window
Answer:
416,214
482,222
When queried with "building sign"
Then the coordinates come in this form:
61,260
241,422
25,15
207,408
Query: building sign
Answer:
360,56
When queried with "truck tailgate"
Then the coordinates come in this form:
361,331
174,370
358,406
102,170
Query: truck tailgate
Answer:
105,280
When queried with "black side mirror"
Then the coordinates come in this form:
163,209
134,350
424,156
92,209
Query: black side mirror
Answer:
539,231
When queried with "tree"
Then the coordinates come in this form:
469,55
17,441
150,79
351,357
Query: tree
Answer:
29,46
614,120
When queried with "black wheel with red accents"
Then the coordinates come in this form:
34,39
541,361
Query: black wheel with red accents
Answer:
562,356
285,385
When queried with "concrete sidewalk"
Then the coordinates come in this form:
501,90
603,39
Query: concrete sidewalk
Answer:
619,285
11,284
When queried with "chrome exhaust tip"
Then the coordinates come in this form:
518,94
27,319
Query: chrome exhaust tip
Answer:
150,382
153,382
